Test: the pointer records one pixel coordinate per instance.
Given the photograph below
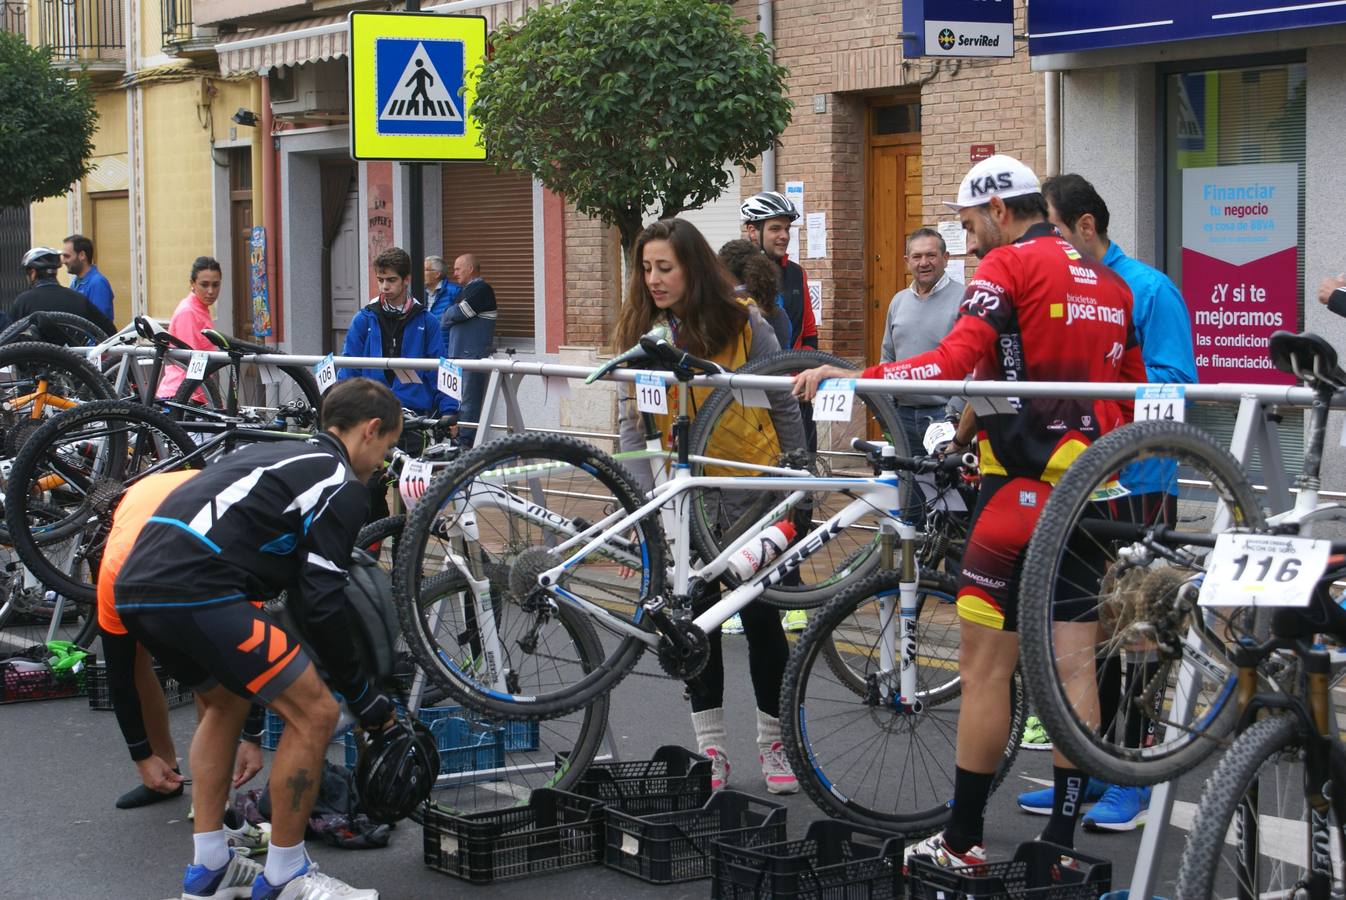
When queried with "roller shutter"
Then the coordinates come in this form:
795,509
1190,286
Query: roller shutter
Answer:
490,215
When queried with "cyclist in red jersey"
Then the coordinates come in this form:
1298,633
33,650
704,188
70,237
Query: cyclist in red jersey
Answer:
1035,311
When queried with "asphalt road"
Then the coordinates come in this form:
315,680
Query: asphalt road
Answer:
64,765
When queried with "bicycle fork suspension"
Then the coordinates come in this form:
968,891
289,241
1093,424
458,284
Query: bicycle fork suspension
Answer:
897,651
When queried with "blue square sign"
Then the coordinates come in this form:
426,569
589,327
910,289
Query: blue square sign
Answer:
419,86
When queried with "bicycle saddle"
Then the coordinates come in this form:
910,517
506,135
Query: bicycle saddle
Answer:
162,337
1307,357
233,344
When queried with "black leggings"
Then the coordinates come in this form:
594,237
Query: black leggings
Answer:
768,652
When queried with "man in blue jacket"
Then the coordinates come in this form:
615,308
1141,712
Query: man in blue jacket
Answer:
1165,332
395,324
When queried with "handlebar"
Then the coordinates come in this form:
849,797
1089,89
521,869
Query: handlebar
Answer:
916,464
677,359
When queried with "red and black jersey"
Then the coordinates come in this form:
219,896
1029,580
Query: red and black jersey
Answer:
1037,311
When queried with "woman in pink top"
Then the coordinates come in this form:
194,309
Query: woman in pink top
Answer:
192,315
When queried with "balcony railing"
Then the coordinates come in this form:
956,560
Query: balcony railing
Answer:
86,32
177,20
14,16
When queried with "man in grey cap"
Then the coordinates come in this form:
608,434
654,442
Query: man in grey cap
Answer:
1036,310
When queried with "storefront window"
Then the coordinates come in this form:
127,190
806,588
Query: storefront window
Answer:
1234,220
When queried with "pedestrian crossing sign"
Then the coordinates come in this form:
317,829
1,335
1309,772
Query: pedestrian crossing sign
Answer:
412,81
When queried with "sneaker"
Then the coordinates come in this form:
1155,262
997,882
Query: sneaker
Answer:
719,767
246,839
780,778
1039,802
309,884
1121,809
940,854
795,620
234,880
1035,736
733,626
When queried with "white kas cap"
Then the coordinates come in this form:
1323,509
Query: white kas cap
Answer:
996,176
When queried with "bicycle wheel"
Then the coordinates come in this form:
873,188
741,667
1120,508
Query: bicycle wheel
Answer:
1096,556
937,636
504,513
28,615
857,755
1250,837
719,516
491,763
63,328
73,470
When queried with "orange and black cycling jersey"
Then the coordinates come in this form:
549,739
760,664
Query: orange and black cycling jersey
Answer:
1037,311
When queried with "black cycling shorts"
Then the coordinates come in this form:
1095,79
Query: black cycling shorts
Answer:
237,645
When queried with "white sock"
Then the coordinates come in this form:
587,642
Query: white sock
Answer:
709,727
212,850
284,863
768,731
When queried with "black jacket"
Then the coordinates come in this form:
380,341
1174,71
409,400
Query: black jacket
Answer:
50,296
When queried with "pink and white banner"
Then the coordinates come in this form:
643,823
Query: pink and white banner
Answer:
1240,233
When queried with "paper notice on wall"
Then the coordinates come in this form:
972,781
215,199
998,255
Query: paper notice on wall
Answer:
794,192
955,238
793,249
817,224
957,270
816,301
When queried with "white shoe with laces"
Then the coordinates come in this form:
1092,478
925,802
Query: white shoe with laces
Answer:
719,767
780,778
310,885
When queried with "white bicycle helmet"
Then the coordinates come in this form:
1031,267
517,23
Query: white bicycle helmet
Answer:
42,258
767,205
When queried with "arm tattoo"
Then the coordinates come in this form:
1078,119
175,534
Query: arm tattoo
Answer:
299,784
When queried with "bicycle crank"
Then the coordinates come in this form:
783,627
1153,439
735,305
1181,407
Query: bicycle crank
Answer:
683,648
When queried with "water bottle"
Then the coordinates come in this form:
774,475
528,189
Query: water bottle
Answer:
763,550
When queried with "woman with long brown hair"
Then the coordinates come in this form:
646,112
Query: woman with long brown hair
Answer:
677,280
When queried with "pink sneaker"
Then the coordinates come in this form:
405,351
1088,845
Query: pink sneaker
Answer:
780,778
719,767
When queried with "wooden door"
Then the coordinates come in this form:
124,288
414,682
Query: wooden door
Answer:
892,211
240,244
112,249
344,276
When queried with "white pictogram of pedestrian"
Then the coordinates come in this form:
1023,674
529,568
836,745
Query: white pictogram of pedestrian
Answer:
420,95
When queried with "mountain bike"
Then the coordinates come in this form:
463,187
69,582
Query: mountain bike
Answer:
568,583
1134,559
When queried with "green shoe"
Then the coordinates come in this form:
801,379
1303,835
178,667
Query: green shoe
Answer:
733,626
796,620
1035,736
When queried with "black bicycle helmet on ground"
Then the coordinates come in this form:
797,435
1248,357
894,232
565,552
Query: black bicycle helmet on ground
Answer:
396,771
767,205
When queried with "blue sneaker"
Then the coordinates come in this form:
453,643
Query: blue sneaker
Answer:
1121,809
309,884
231,882
1039,802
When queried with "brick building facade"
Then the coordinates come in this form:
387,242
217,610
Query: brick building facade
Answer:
845,62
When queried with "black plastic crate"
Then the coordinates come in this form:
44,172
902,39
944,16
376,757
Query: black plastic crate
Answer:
554,832
1037,872
664,848
835,860
22,680
673,780
100,693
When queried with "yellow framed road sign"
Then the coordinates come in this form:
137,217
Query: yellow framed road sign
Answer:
413,77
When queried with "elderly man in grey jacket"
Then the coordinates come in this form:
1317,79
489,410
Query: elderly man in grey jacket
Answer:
918,318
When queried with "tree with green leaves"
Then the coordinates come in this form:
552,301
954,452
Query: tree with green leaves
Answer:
47,122
623,106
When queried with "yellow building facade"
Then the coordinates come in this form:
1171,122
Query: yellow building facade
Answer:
152,203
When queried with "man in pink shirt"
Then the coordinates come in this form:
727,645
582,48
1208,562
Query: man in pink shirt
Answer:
192,315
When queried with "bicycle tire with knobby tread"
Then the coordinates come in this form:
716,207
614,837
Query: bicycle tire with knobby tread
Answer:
62,320
1223,792
17,496
606,673
1041,565
824,794
706,423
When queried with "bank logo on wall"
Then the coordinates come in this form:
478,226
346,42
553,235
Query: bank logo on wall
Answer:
420,85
